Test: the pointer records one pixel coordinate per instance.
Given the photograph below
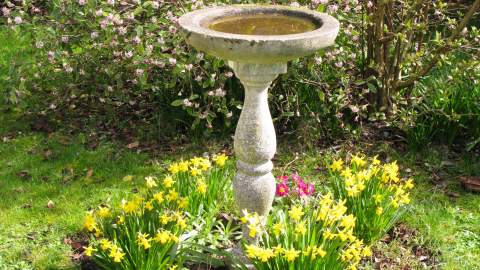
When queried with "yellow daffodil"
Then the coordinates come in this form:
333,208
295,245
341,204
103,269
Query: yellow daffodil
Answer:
174,168
379,211
375,161
378,199
337,165
409,184
173,267
205,165
202,188
296,213
90,222
195,172
196,161
165,219
252,250
167,182
105,244
291,254
104,212
158,197
277,228
149,206
394,203
220,160
321,252
162,237
117,256
88,251
144,241
151,181
277,250
181,223
346,173
98,233
253,230
358,160
406,199
183,166
121,219
265,254
300,227
172,195
182,202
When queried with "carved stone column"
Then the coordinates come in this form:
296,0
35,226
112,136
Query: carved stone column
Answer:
255,145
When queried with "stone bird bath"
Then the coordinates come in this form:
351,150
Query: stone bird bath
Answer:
257,41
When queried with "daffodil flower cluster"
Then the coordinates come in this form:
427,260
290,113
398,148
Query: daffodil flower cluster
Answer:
299,238
374,193
153,222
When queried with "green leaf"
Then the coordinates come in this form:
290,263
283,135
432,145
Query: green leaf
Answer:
40,36
146,4
143,78
139,31
119,83
57,3
473,144
177,102
20,87
196,122
310,65
140,48
192,97
320,8
359,82
372,88
288,114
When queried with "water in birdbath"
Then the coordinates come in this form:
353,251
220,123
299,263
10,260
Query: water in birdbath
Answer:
262,24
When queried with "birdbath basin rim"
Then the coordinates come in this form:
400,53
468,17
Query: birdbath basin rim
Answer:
257,49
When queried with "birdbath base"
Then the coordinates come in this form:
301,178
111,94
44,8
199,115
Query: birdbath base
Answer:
255,145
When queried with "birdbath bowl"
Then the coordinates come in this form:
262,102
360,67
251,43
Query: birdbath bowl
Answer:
257,41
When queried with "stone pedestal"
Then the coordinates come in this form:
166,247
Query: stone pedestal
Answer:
255,145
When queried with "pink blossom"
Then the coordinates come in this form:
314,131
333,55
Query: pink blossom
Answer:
139,72
52,106
134,81
18,20
155,4
111,2
214,75
109,88
297,179
339,64
131,16
102,100
161,64
10,5
128,54
198,79
358,8
355,38
200,56
282,177
229,74
160,40
339,115
187,103
123,3
229,115
69,69
189,67
312,114
164,48
318,60
122,30
9,21
209,125
323,2
65,39
131,102
172,28
154,20
169,14
81,72
172,61
118,103
369,4
149,47
197,105
39,65
137,39
347,9
99,12
40,45
333,8
81,2
94,35
281,189
310,188
355,109
298,114
201,116
347,32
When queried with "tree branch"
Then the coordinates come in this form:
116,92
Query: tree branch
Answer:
415,77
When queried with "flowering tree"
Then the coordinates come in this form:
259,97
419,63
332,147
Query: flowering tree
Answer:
404,41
